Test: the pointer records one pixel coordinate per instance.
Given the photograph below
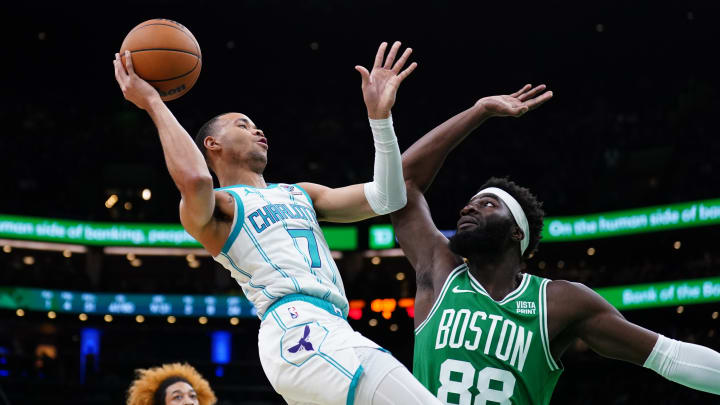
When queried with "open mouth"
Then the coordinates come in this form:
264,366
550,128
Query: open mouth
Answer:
263,141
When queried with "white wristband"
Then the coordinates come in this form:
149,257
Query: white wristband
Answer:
386,193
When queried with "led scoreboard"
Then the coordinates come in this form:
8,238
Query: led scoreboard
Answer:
126,304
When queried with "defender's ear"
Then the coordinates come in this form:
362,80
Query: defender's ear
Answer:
517,233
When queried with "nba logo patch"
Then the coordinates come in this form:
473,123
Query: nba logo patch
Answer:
293,312
291,189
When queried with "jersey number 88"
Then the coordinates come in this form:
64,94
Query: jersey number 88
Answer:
467,372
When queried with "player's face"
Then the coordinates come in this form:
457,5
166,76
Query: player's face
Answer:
484,226
242,139
481,209
181,393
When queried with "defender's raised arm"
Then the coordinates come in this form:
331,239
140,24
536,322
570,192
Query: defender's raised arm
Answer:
425,157
423,160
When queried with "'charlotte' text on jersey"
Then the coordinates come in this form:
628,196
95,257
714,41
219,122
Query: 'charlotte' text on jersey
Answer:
266,216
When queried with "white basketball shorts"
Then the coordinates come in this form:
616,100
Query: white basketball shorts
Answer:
307,350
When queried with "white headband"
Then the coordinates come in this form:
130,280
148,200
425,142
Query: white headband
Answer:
516,211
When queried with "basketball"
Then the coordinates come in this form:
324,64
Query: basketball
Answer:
165,54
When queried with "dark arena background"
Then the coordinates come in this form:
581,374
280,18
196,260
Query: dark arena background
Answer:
96,279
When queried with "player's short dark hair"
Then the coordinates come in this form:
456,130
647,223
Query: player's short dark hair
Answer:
530,205
207,129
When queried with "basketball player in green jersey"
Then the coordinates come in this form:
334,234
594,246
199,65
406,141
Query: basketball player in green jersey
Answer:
486,333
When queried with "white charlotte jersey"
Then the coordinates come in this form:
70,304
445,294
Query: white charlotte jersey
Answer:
276,247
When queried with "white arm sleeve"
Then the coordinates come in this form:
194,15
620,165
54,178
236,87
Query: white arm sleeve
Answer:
386,193
692,365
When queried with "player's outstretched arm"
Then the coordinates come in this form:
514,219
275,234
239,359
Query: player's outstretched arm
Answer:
424,246
592,319
185,162
425,157
386,193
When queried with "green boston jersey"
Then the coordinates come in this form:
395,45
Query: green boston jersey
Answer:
474,350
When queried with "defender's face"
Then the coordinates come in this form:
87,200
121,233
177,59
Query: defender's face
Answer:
480,210
241,137
181,393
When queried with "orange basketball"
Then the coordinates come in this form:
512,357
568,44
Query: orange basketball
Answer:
165,54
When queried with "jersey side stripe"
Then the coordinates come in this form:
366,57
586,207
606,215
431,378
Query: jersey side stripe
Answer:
250,283
545,323
334,271
278,320
543,326
267,259
459,269
331,263
232,263
237,221
305,258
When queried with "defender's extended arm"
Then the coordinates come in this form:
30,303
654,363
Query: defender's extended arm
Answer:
425,157
424,246
609,334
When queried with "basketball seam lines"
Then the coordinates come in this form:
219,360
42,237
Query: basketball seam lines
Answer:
171,50
165,49
197,46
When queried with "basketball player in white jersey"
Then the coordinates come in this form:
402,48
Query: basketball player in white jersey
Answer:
268,237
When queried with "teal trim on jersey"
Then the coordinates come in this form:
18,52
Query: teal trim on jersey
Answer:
249,276
318,302
239,221
232,263
305,258
335,364
279,321
353,385
307,234
334,270
318,352
267,259
306,195
292,199
269,185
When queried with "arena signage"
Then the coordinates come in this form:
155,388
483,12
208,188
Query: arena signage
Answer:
36,299
649,219
628,297
683,292
608,224
381,237
129,234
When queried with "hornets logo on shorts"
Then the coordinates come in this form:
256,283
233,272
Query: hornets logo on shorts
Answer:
303,343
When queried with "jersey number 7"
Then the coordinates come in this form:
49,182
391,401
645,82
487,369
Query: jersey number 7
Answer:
308,235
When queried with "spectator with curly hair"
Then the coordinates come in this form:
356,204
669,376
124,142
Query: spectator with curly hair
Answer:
170,384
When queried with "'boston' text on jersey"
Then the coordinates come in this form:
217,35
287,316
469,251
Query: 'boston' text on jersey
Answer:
513,343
